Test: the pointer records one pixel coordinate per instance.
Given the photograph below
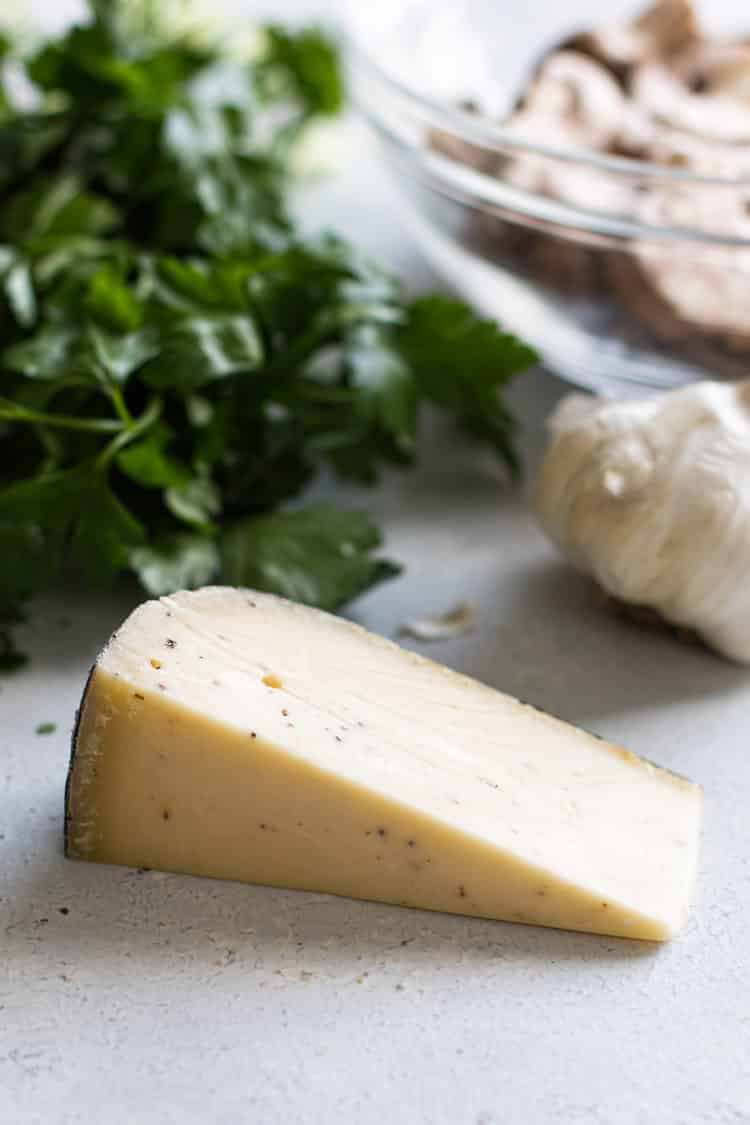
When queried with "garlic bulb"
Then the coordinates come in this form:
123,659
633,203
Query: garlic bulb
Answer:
652,498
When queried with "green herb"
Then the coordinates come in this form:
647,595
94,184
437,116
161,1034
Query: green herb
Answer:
319,555
46,728
176,362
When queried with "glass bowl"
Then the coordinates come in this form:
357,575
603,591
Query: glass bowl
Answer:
622,272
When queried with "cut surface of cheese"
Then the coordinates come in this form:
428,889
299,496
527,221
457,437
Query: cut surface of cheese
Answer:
233,734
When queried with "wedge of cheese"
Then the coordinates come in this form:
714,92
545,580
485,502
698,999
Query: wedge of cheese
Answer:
233,734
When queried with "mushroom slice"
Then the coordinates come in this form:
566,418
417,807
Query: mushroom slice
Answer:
572,103
665,28
668,98
720,68
574,99
461,151
686,289
670,146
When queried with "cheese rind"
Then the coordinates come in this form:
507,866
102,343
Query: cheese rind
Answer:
233,734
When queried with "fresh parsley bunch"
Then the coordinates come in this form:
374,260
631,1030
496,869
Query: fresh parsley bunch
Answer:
176,363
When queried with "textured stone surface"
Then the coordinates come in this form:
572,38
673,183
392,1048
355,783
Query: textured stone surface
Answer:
169,999
131,997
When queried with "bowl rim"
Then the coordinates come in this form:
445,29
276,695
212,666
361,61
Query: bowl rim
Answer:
466,185
494,137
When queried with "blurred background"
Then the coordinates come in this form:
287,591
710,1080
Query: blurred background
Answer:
610,229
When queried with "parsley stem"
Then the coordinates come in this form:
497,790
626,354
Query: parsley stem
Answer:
129,434
14,412
118,402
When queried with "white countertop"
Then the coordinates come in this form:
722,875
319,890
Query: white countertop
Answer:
151,999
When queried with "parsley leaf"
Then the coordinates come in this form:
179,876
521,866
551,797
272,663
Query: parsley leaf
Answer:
461,363
149,463
177,362
103,533
177,562
318,555
304,64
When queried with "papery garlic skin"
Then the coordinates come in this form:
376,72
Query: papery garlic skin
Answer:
652,498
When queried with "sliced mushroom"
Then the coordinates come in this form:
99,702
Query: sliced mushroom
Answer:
713,68
673,147
686,289
562,265
657,90
572,100
665,28
572,103
668,98
463,152
678,291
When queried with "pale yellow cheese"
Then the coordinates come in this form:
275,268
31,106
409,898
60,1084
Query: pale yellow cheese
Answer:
230,733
